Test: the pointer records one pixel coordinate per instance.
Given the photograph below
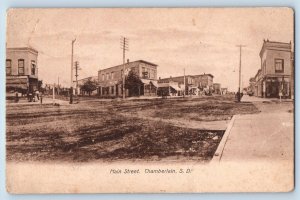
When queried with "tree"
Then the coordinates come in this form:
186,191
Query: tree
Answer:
89,86
133,83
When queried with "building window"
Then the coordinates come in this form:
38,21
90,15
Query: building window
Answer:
112,75
122,73
8,67
112,89
103,77
21,66
107,76
279,66
33,67
145,73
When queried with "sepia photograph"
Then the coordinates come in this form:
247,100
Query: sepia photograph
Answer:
149,100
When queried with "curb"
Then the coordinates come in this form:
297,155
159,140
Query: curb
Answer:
218,154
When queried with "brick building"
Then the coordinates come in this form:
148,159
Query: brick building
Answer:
217,88
273,79
21,70
194,84
204,81
110,79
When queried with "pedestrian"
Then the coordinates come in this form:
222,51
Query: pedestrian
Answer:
37,93
30,97
41,98
17,97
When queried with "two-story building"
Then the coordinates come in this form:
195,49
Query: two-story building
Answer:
21,70
217,88
110,80
179,81
194,84
204,81
274,78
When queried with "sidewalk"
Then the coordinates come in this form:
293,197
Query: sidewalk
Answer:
247,98
266,136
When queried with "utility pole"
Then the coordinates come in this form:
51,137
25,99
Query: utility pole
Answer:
71,88
124,47
76,75
184,82
240,73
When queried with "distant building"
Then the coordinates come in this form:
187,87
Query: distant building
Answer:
110,79
21,70
224,91
179,81
170,88
273,79
217,88
194,84
204,81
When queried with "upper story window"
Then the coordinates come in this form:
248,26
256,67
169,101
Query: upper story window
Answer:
112,75
279,66
33,67
21,70
122,73
145,73
107,76
103,77
8,67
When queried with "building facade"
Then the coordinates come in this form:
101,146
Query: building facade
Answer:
21,70
177,84
204,81
273,79
110,80
217,88
194,84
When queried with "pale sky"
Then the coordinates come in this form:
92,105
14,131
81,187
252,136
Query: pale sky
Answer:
199,40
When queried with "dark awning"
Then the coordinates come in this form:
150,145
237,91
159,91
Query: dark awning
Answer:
17,82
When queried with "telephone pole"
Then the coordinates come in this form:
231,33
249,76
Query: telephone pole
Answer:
76,75
71,88
240,72
124,46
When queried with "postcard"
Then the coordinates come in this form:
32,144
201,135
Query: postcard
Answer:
149,100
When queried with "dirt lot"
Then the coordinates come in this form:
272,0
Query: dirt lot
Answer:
115,130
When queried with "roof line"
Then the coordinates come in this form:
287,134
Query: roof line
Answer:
130,62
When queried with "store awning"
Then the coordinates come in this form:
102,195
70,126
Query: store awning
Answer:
175,87
17,82
154,83
145,81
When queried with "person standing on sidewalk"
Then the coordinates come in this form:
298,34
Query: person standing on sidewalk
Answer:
37,93
41,98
